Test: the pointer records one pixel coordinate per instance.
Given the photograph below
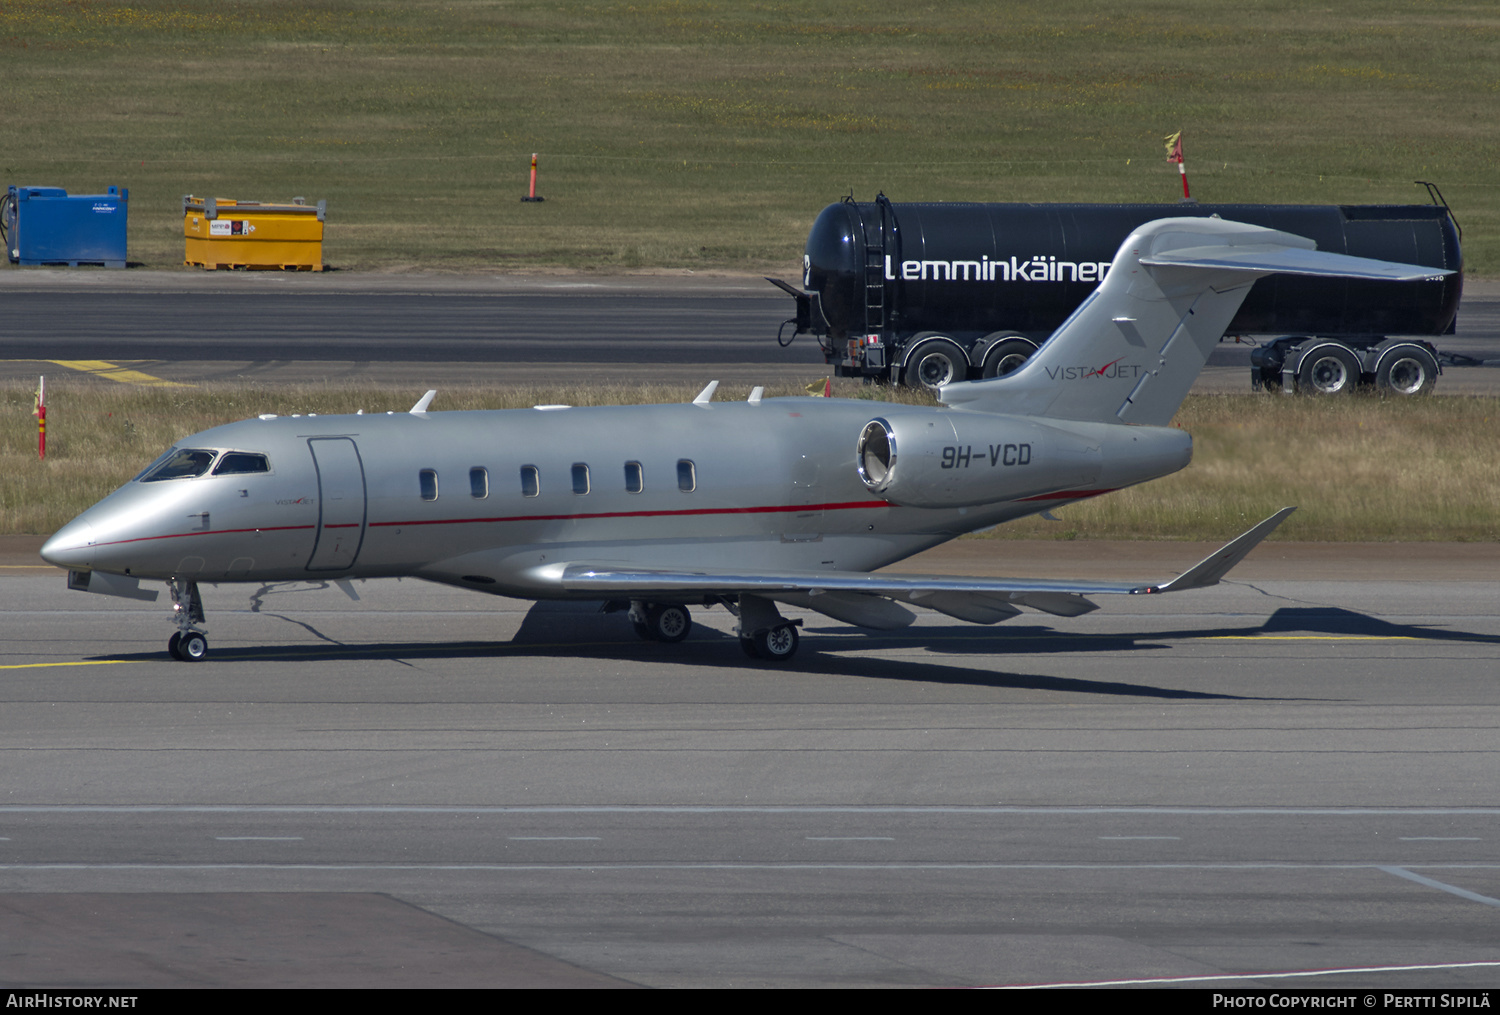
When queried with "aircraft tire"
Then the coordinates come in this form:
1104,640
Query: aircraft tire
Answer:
643,631
192,648
669,622
747,645
172,643
1330,369
778,644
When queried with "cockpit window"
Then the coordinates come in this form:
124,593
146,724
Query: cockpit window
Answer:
240,463
152,467
179,463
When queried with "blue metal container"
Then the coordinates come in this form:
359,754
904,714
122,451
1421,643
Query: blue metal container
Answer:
44,225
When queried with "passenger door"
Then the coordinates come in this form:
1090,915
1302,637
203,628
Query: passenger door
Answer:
341,503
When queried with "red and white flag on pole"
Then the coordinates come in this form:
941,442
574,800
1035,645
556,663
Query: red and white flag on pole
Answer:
1174,154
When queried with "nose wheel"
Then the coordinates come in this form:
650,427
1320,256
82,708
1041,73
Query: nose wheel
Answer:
189,644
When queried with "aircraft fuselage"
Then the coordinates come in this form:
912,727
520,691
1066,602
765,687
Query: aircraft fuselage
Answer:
488,500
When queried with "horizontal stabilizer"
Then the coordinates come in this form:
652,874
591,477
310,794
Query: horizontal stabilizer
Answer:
1280,260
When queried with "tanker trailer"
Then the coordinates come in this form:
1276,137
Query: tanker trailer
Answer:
925,294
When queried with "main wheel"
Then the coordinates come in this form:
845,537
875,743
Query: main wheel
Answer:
1406,370
1006,355
1328,370
192,647
668,622
777,644
937,362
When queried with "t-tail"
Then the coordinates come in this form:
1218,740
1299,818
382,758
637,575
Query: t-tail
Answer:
1134,347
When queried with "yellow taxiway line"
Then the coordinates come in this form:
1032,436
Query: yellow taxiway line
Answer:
87,662
115,372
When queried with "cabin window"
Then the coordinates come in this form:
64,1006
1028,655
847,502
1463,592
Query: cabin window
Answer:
479,483
635,477
580,478
241,463
531,481
427,482
180,463
687,476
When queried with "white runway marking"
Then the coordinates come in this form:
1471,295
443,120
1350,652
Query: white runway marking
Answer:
850,838
712,865
1462,893
258,838
553,838
1337,812
1248,976
1441,838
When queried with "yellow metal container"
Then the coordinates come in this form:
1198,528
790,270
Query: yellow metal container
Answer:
220,233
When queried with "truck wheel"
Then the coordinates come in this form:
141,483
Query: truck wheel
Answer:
1328,370
936,362
1406,370
1006,355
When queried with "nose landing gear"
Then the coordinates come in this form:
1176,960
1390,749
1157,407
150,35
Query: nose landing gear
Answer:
189,644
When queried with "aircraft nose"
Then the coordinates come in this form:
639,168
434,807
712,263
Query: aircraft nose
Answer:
71,546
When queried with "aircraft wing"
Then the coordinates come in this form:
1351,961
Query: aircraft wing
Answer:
852,595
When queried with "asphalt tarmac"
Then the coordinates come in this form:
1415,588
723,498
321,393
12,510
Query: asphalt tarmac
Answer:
416,330
1290,773
1284,781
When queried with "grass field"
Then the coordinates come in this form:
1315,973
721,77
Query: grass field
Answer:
707,135
1361,468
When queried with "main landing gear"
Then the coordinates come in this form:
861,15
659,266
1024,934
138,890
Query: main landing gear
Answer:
667,622
763,632
189,644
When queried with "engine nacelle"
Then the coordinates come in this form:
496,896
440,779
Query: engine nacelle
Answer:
952,460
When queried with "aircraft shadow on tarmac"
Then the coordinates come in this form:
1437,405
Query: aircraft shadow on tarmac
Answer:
577,630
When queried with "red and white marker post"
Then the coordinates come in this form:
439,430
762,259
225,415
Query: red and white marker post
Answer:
40,412
532,196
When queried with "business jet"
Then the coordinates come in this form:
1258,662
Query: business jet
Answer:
747,505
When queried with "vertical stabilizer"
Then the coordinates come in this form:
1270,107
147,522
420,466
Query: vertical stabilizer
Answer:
1133,349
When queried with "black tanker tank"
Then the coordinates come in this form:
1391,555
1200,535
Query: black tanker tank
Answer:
929,293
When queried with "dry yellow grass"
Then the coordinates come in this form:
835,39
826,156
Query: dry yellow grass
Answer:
1362,468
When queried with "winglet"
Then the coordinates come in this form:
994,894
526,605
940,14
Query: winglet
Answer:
422,405
1210,569
707,394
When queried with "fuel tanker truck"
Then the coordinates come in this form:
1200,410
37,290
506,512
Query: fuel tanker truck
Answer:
925,294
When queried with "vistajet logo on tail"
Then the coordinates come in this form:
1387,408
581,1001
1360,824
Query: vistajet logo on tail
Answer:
1037,268
1108,371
